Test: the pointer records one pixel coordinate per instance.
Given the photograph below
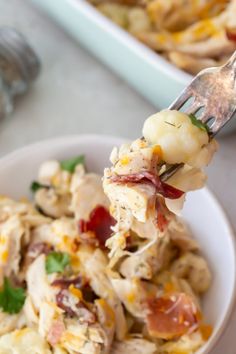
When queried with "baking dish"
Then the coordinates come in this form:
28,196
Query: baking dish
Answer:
146,71
150,74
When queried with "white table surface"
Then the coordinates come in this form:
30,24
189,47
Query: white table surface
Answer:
77,94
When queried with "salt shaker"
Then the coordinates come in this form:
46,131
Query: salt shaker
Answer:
19,66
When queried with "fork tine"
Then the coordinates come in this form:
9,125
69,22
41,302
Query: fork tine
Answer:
204,117
214,91
181,100
218,125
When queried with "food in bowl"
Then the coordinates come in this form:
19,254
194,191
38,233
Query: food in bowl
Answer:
192,35
61,293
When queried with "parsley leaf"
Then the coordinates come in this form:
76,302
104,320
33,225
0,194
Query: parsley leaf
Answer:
35,186
11,299
198,123
70,165
56,262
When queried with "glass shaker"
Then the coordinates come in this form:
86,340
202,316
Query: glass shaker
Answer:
19,66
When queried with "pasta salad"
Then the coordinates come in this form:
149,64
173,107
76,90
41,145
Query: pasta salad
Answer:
96,267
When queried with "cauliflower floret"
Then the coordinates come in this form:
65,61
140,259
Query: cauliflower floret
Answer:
178,137
205,155
48,170
52,203
186,344
62,234
134,346
195,269
132,294
51,174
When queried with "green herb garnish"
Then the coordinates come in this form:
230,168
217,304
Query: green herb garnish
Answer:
70,165
35,186
11,299
56,262
199,124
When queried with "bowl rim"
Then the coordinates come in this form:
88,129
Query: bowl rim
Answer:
232,302
11,156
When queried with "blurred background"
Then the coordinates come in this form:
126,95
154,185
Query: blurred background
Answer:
74,93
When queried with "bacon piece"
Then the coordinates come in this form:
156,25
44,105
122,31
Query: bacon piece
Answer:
62,301
34,250
171,316
162,212
88,293
63,283
99,223
79,283
231,35
162,222
162,188
55,332
74,309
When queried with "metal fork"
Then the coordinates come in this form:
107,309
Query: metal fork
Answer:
213,95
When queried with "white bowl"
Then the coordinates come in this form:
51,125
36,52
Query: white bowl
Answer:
203,213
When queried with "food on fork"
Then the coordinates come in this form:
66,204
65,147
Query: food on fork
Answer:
148,229
63,291
192,35
140,200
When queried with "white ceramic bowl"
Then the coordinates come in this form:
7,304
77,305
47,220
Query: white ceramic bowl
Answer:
203,213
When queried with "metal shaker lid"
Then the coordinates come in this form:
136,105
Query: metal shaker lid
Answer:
19,64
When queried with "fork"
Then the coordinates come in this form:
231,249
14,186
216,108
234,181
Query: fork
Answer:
212,94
